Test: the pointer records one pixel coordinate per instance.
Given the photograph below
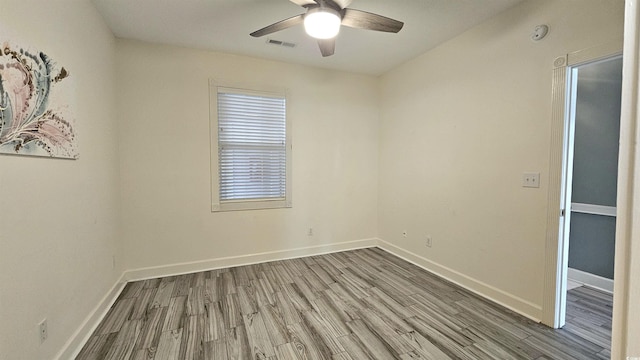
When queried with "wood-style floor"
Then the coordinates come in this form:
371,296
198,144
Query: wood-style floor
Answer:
361,304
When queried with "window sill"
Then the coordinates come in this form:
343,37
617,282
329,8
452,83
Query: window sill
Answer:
250,205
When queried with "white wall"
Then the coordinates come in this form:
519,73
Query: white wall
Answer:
459,126
163,104
626,313
59,222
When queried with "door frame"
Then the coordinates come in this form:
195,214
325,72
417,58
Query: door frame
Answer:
559,196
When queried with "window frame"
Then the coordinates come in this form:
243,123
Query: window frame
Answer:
245,204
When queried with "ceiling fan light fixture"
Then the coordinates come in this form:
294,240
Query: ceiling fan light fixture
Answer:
322,23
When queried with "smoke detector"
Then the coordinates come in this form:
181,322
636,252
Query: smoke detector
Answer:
539,32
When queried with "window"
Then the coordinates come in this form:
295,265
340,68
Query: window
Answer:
250,150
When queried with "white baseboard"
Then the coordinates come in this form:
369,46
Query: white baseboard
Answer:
512,302
231,261
81,336
73,346
591,280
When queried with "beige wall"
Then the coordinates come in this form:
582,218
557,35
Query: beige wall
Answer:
59,222
459,126
163,104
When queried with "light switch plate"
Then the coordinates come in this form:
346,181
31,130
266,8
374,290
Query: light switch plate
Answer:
531,180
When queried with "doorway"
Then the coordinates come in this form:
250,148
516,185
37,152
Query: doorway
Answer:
592,172
589,177
559,212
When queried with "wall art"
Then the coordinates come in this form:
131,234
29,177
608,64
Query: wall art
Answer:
35,114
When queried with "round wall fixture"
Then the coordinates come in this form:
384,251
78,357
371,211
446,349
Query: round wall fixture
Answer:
539,32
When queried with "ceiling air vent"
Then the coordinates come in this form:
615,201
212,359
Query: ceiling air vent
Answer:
281,43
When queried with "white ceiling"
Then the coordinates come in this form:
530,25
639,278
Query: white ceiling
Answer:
224,26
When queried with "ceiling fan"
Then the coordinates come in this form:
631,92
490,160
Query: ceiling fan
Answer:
324,17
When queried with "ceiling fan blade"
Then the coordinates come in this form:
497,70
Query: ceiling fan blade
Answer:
303,3
327,47
364,20
343,3
281,25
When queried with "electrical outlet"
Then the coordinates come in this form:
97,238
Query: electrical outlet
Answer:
531,180
404,233
44,332
429,241
310,232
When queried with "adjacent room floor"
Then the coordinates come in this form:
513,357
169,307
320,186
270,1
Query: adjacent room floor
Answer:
360,304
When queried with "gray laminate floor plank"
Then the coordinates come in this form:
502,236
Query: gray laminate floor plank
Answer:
352,305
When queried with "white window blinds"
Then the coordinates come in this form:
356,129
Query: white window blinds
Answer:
251,146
